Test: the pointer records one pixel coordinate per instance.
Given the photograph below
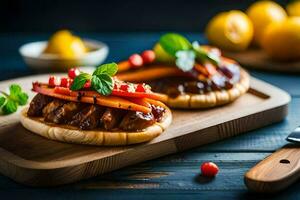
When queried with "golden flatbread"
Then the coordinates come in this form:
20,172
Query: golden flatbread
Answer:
211,99
70,134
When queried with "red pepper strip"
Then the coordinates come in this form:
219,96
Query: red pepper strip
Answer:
115,92
151,73
201,69
123,66
152,95
63,90
228,60
210,68
110,101
140,101
156,103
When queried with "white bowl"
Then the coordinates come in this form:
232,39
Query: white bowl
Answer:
34,57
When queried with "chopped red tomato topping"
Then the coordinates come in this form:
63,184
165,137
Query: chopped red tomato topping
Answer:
135,60
148,56
87,84
53,81
64,82
124,87
73,72
140,88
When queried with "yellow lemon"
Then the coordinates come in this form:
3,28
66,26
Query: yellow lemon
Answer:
262,13
75,48
282,40
58,38
64,44
161,55
230,30
293,9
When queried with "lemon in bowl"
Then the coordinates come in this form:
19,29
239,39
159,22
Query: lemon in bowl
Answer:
230,30
281,40
66,45
262,14
63,51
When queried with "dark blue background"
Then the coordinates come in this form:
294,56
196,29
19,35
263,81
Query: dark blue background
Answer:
112,15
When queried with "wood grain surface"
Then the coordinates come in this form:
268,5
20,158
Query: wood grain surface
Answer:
276,172
181,177
33,160
258,59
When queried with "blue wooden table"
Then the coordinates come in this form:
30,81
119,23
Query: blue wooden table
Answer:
171,177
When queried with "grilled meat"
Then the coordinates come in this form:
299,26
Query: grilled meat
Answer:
136,121
37,104
91,116
87,118
112,118
49,110
158,112
65,113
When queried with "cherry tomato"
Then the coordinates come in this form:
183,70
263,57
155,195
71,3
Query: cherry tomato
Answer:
148,56
65,82
135,60
87,84
73,72
140,88
124,87
209,169
53,81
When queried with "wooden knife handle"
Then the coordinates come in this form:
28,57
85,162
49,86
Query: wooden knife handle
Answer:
276,172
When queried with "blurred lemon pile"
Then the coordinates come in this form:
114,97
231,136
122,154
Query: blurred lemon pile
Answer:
265,24
64,44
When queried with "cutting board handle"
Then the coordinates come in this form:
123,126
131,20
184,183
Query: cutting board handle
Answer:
276,172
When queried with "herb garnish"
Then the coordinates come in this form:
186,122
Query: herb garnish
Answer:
185,53
9,102
101,79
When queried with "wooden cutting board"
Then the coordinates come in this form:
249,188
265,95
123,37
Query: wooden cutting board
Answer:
258,59
32,160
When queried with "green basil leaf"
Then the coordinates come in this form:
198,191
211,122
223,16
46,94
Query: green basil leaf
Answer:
80,80
14,90
185,60
2,101
103,84
96,83
109,69
10,107
16,94
172,42
22,98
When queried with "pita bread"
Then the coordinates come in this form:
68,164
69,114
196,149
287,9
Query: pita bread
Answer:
70,134
211,99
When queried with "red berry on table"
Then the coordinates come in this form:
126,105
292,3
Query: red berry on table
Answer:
87,84
135,60
209,169
148,56
140,88
53,81
73,72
